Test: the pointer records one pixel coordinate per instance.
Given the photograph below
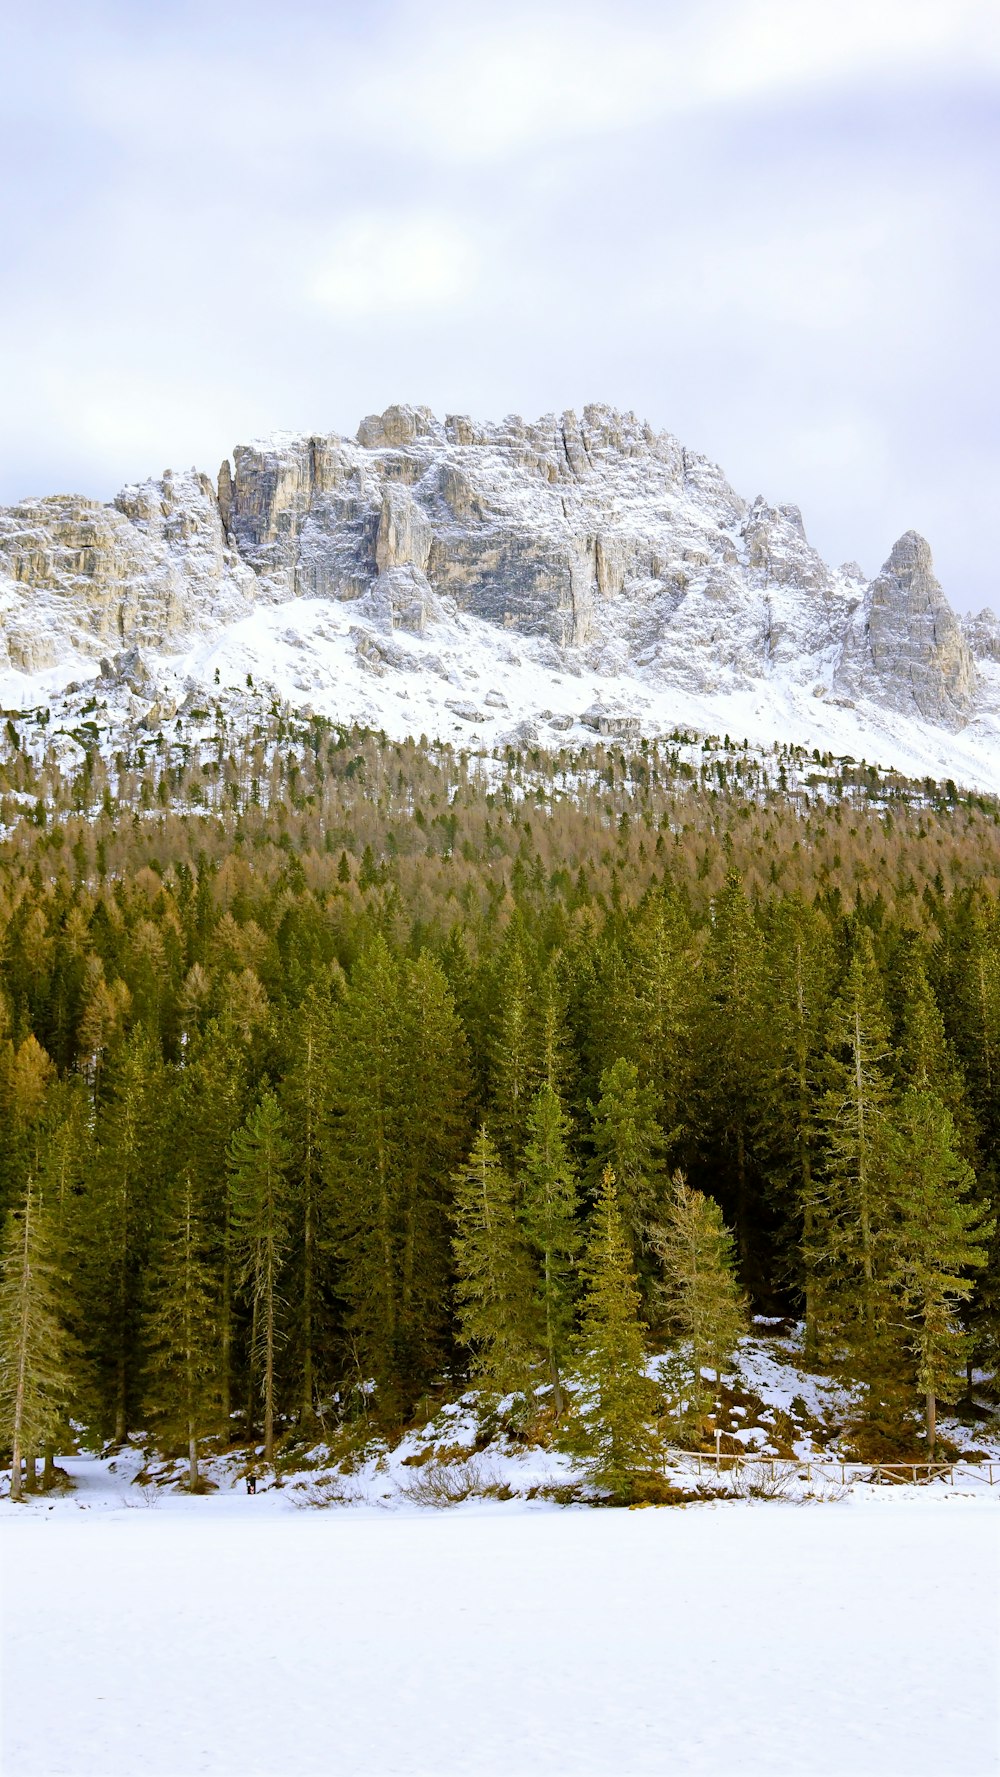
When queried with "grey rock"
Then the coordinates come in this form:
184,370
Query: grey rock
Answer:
609,544
908,638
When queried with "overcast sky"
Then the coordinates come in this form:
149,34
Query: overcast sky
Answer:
770,226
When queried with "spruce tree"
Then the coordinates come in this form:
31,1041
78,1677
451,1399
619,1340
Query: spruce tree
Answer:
513,1055
626,1136
432,1132
849,1202
211,1107
182,1395
618,1402
703,1303
395,1130
304,1090
797,989
736,1058
37,1355
128,1162
936,1235
494,1283
259,1161
548,1210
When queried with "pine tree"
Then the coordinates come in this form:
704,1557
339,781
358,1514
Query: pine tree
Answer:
303,1096
494,1284
259,1162
211,1107
432,1132
937,1234
703,1303
548,1210
395,1130
798,985
619,1403
37,1355
515,1066
182,1396
627,1137
128,1162
736,1057
849,1207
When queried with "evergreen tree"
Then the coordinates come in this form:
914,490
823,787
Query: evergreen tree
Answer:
128,1163
735,1058
703,1303
850,1205
182,1395
259,1162
431,1134
619,1401
548,1209
937,1235
514,1057
211,1107
494,1284
37,1356
303,1096
797,988
627,1137
394,1133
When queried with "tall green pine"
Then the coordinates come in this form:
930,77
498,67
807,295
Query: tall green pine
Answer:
493,1275
37,1356
261,1215
549,1207
181,1332
618,1402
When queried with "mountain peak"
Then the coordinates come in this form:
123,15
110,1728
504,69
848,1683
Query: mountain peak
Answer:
471,578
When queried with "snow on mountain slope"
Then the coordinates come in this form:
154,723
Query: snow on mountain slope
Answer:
491,583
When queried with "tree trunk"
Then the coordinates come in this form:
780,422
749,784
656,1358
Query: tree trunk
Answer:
306,1409
742,1219
308,1237
811,1352
192,1461
121,1417
30,1478
16,1490
48,1469
225,1356
931,1417
250,1369
269,1381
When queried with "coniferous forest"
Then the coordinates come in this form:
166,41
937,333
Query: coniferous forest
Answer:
335,1071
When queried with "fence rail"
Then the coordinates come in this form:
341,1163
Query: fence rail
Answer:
830,1469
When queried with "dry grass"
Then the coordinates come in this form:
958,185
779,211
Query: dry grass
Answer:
328,1490
448,1483
764,1480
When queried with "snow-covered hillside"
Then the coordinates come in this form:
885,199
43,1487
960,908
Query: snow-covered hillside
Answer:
486,584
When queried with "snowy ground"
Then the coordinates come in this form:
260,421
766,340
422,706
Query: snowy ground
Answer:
477,686
832,1631
237,1635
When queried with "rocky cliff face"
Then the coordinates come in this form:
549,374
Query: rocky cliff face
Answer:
600,539
910,645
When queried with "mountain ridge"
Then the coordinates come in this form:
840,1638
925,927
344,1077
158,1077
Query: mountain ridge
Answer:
498,581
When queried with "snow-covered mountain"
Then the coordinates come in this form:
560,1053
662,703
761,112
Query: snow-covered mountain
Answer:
492,582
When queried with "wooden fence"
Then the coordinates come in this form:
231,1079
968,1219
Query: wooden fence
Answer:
829,1469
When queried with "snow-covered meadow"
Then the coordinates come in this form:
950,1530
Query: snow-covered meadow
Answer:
830,1630
145,1631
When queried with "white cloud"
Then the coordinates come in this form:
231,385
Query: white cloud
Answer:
384,264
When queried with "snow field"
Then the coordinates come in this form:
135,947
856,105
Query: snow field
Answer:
743,1641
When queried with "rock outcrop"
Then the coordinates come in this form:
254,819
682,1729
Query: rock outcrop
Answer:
909,648
600,538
